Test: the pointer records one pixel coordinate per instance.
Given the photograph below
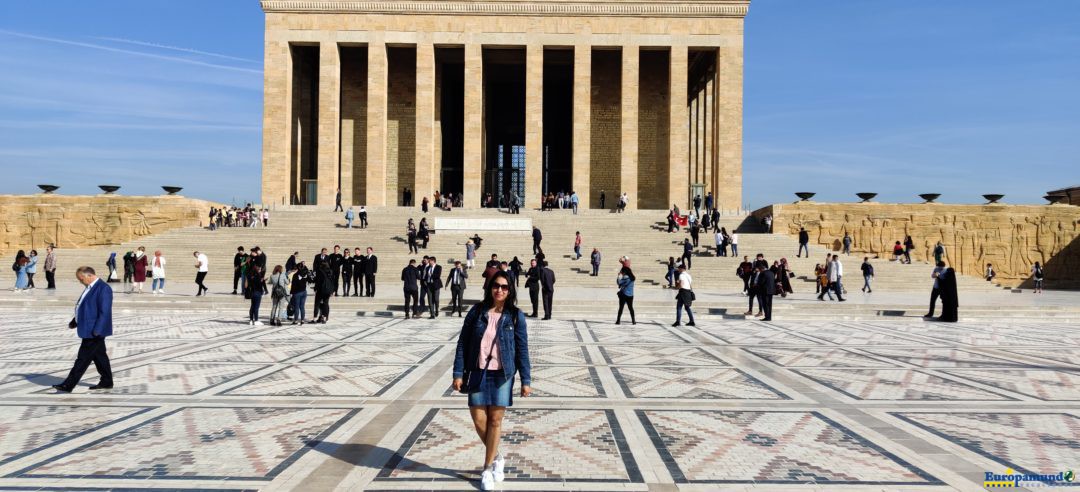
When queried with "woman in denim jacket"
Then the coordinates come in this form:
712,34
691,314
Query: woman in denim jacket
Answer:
493,345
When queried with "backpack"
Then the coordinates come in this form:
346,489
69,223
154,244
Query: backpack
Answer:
279,291
15,266
1039,273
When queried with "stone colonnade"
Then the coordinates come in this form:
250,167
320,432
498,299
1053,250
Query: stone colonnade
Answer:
375,104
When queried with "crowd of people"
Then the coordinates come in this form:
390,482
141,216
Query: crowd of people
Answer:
246,216
25,267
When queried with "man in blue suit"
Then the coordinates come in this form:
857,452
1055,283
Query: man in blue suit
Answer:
93,322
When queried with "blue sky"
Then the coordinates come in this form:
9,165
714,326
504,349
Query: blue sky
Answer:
842,96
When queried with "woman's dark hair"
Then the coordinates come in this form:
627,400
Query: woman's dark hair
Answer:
511,296
628,272
33,252
20,254
671,261
278,269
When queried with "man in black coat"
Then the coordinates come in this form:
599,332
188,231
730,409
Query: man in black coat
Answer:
766,291
237,261
949,298
319,259
421,271
456,282
371,267
409,276
804,241
752,292
335,267
547,287
532,282
434,285
537,237
357,272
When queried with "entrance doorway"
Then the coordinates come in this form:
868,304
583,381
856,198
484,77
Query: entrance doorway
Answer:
504,123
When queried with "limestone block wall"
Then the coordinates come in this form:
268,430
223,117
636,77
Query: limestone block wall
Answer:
72,221
606,133
401,123
653,134
1011,237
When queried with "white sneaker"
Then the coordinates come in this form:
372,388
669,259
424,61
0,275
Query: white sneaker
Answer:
487,480
257,323
497,467
162,292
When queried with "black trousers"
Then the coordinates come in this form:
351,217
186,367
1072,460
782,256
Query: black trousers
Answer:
199,277
235,279
548,294
746,284
766,305
433,300
414,307
369,284
456,295
30,279
91,350
687,260
50,278
627,301
934,294
536,246
534,296
346,279
337,281
423,296
751,295
322,306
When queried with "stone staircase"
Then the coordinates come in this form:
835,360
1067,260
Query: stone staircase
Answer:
639,234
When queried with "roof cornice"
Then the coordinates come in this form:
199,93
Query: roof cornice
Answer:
600,8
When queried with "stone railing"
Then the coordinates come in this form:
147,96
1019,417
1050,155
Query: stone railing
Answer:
1011,237
73,221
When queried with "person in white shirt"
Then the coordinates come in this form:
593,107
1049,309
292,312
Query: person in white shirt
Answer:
157,270
734,244
684,298
836,273
719,243
202,264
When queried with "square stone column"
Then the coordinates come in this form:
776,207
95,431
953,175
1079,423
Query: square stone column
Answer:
329,121
376,121
425,122
628,165
534,125
277,104
679,165
729,123
582,122
473,159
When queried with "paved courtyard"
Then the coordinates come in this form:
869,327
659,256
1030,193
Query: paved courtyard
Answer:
204,401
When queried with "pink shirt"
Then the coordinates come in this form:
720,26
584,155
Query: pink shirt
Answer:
486,345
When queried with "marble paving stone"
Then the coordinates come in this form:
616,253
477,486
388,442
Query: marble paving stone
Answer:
659,356
1044,384
897,384
25,429
1026,442
417,332
697,383
200,332
193,443
128,324
13,349
540,445
118,349
558,334
744,333
390,353
844,335
634,334
1069,356
558,354
943,357
175,378
311,333
964,336
816,357
16,371
248,352
771,448
324,380
565,382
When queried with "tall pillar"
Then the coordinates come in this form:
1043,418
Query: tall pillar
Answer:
473,159
329,121
277,122
425,121
679,166
729,124
376,121
582,122
534,124
628,163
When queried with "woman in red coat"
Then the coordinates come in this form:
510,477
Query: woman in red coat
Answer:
140,268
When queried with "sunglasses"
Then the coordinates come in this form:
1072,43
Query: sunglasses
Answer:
502,287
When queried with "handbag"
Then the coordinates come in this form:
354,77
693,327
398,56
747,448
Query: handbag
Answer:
474,382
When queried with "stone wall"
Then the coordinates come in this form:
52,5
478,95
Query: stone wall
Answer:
653,134
401,124
1011,237
606,132
72,221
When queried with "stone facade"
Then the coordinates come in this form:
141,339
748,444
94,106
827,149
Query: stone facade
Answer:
657,98
70,221
1011,237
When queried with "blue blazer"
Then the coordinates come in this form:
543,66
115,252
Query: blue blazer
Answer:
511,340
94,316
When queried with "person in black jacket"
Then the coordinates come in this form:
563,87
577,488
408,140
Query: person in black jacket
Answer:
335,267
688,250
455,280
324,288
237,271
804,241
532,281
371,267
949,298
434,285
547,288
766,291
298,292
357,266
409,276
753,291
537,237
346,272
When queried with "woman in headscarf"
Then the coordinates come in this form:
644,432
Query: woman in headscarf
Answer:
625,281
949,298
110,264
140,263
22,281
783,278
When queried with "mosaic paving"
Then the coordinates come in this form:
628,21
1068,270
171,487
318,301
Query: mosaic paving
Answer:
204,401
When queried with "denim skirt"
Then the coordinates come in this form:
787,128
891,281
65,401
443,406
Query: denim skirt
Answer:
495,390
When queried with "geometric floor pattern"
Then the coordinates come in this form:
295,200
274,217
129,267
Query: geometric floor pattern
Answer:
205,402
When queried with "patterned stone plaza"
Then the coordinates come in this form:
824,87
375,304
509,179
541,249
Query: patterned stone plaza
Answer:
204,401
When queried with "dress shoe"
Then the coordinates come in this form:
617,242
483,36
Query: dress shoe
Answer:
61,388
675,324
691,324
546,317
101,387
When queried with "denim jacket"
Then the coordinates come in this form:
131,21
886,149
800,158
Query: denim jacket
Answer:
511,340
626,285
